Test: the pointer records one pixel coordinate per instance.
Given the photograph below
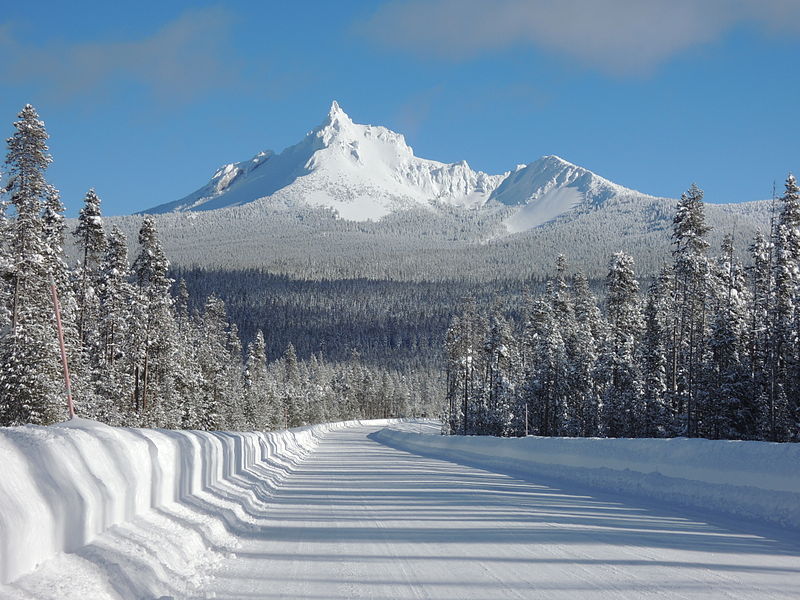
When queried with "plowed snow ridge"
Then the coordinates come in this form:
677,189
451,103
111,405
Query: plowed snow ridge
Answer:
343,511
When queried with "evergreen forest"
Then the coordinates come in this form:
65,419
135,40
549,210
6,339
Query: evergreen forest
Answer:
706,347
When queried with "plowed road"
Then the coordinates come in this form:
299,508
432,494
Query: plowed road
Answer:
362,520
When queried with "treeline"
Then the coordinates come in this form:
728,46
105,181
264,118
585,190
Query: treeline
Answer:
711,350
430,245
138,354
394,324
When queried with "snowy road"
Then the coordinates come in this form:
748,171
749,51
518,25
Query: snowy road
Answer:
362,520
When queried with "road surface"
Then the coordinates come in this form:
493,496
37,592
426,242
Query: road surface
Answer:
359,519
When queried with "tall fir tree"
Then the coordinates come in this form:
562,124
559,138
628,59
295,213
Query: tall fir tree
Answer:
726,407
622,399
784,408
690,272
30,381
91,241
658,417
155,326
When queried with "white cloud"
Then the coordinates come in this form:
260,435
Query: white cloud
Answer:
616,36
186,57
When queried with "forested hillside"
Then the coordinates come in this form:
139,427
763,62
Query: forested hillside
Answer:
274,317
445,244
711,350
137,354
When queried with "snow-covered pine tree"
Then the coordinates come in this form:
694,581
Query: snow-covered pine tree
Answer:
500,363
54,229
91,242
260,408
292,396
564,318
584,399
463,368
234,375
759,336
212,357
26,163
30,378
155,347
544,392
726,408
6,265
116,311
622,398
784,408
690,273
658,418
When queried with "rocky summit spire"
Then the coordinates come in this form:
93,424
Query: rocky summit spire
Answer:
336,116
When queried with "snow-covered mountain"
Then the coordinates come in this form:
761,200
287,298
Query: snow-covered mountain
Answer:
361,171
550,187
366,172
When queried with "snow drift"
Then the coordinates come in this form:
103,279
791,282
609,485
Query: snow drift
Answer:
62,486
754,480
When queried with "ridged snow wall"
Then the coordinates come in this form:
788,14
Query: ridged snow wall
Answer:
61,486
754,480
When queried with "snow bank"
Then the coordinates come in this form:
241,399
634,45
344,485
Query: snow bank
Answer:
755,480
62,486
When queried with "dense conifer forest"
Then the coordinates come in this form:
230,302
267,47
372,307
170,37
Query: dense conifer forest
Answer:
709,350
138,354
705,347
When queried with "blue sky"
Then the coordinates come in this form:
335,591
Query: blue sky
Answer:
144,104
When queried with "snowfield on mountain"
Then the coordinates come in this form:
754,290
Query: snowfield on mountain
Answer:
353,201
381,509
365,172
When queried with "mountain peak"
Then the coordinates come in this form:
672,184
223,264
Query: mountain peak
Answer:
336,116
553,159
368,171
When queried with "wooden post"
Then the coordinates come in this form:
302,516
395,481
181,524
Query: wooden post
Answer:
59,328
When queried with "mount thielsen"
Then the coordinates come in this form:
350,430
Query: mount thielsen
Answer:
352,200
367,172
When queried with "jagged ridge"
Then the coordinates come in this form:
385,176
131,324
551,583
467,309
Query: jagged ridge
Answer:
366,172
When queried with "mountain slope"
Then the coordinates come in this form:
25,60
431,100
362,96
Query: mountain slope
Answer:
550,187
361,171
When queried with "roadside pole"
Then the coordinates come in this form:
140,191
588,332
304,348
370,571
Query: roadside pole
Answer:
59,328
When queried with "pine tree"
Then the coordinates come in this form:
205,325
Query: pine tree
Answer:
260,409
117,306
759,349
234,376
464,369
545,391
30,378
691,273
584,402
91,242
26,162
784,407
727,410
155,347
622,400
658,418
213,359
293,407
500,362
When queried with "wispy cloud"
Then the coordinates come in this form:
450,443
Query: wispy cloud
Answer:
416,109
621,37
186,57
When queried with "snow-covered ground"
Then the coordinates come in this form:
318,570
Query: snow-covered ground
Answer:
345,511
754,480
104,512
